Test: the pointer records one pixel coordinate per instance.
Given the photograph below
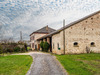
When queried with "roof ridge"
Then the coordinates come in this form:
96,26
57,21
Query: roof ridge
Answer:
43,30
70,24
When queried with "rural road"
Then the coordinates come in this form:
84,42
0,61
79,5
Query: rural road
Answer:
45,64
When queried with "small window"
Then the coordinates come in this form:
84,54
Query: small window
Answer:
91,18
53,45
58,45
86,21
75,44
92,44
32,45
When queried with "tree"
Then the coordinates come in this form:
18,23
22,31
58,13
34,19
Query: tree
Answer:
1,49
41,45
46,46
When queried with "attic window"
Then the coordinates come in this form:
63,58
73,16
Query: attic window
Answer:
91,18
75,44
92,44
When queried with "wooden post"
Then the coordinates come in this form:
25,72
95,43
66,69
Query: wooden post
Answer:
64,35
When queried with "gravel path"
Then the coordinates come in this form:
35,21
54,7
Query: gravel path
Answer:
45,64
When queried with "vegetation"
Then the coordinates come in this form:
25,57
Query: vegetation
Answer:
15,64
83,64
41,45
46,46
1,49
13,47
16,49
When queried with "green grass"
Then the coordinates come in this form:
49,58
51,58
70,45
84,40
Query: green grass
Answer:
83,64
15,64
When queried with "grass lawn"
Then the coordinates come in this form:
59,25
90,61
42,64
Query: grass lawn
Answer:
15,64
83,64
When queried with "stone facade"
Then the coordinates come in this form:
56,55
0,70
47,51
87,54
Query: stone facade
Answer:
81,37
34,43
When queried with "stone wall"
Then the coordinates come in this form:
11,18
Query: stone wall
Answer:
57,39
84,33
36,36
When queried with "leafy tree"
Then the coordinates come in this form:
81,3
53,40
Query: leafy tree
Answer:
23,49
46,46
17,49
1,49
41,45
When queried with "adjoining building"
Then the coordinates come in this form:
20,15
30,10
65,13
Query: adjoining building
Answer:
81,36
35,45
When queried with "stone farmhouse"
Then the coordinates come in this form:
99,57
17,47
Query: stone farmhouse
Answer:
81,36
37,34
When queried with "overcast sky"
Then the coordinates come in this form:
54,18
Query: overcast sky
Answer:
30,15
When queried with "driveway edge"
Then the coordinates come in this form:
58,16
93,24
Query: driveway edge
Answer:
60,65
29,71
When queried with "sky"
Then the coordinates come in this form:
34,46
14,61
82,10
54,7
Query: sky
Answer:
30,15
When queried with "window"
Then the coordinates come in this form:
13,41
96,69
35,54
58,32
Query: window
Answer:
33,38
91,18
58,45
35,47
75,44
53,45
32,45
92,44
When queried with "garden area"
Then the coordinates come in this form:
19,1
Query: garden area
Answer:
9,48
15,64
82,64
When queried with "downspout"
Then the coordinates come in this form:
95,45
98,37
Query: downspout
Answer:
64,35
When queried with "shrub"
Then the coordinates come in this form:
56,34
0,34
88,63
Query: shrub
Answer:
16,49
46,46
28,48
22,49
41,45
25,46
1,49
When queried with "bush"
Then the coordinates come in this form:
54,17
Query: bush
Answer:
9,50
16,49
1,49
25,46
41,45
22,49
46,46
28,48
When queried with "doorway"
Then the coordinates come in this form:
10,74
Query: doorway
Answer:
50,44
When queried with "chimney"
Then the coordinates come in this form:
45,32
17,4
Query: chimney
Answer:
47,27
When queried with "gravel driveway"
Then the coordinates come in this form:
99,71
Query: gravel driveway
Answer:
45,64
